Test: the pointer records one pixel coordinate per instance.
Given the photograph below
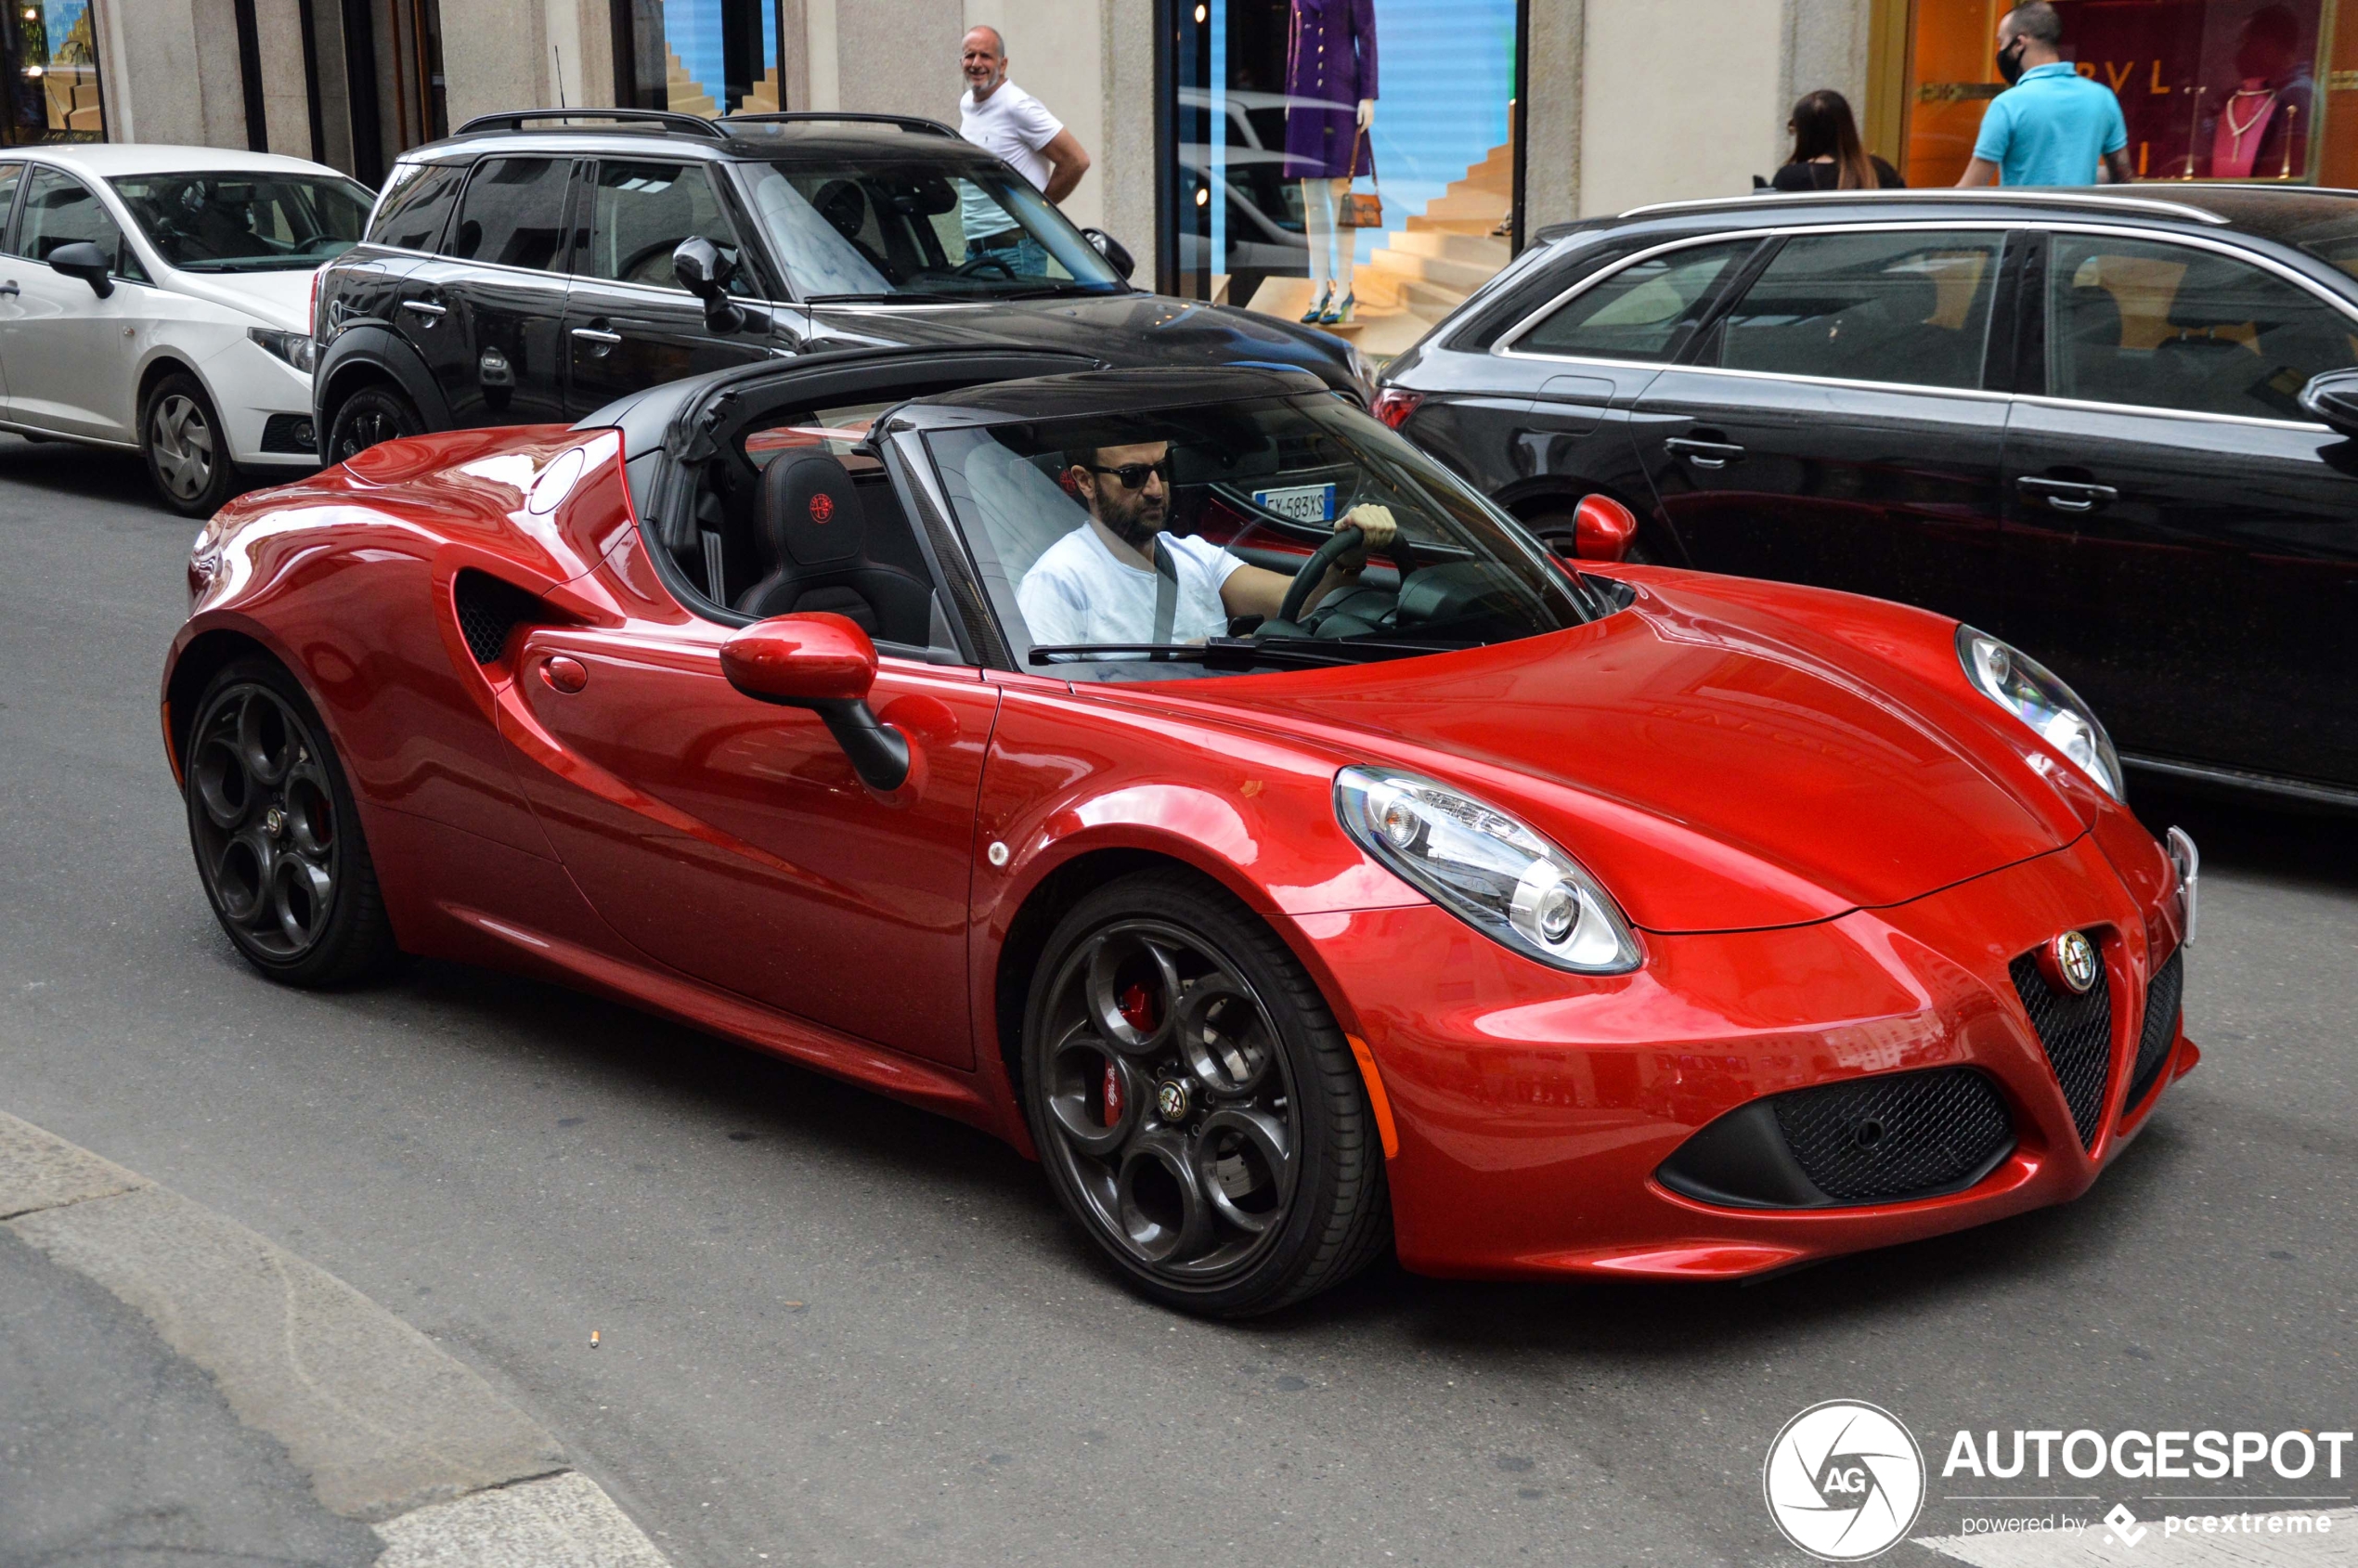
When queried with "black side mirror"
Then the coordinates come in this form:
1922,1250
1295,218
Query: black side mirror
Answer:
85,261
1111,249
2332,399
703,269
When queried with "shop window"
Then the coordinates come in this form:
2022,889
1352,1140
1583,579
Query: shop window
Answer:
2209,89
2174,326
50,56
699,57
1880,307
1263,157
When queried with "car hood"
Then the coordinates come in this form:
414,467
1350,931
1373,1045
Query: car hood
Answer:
1122,330
1718,770
280,299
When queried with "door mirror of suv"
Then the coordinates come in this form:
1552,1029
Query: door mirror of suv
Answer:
826,664
2332,399
703,269
1602,529
85,261
1116,255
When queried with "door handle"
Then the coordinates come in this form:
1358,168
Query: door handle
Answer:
427,308
10,287
2066,495
592,334
1703,454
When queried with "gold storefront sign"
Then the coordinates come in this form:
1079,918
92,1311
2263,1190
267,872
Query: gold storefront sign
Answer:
1963,92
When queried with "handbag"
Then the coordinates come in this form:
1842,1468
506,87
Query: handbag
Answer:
1360,210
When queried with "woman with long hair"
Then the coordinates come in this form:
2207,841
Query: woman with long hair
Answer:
1827,154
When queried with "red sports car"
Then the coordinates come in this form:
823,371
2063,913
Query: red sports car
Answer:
1184,778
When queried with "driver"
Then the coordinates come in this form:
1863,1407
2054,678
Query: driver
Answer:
1102,584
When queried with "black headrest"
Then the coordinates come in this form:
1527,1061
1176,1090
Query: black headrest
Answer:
809,509
842,203
2095,316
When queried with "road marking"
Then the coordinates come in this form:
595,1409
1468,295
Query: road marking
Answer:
2336,1547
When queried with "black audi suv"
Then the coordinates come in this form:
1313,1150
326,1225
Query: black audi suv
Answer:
2117,427
532,269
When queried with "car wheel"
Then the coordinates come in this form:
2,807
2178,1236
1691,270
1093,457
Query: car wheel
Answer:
278,842
1556,529
371,415
1198,1111
188,451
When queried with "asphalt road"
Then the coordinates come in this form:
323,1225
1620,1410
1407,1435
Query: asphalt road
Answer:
839,1331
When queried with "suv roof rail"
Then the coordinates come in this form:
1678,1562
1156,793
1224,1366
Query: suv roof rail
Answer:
514,120
1999,195
906,121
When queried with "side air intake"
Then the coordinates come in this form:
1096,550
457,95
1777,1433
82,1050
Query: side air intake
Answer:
488,610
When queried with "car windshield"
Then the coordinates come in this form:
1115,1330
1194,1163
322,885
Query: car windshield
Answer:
246,222
1231,502
921,231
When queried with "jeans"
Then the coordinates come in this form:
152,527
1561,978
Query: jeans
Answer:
1026,258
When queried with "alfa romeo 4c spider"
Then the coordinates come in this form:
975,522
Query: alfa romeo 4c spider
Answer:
1534,916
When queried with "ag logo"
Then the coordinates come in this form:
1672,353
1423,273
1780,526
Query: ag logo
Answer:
1844,1481
823,506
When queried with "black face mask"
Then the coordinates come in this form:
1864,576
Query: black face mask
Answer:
2010,62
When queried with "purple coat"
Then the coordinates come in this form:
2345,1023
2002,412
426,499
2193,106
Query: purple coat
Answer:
1330,56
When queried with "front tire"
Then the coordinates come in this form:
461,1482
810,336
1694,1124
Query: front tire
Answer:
372,415
1198,1111
277,837
186,449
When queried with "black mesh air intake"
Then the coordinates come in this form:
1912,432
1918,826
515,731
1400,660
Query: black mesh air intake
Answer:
1899,1136
2162,1005
2077,1033
489,609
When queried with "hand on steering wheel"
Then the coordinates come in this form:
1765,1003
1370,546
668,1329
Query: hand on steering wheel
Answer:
1348,536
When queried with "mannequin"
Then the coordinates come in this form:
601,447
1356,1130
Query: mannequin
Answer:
1331,86
2258,119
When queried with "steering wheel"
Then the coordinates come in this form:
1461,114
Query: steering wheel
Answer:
972,266
1313,571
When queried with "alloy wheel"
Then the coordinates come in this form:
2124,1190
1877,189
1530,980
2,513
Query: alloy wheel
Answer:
180,437
265,821
370,427
1170,1106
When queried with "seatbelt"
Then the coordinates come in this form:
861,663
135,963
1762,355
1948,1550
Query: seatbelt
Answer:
715,587
1166,592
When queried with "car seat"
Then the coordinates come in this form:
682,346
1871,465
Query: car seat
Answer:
815,551
2089,355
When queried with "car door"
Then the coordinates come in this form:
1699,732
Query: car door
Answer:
729,838
1550,421
2182,539
11,295
487,313
628,324
70,354
1830,425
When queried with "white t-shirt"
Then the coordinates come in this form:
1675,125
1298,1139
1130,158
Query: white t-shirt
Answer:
1012,126
1079,591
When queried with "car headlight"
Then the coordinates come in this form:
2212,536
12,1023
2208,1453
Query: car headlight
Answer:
2031,692
1487,869
294,348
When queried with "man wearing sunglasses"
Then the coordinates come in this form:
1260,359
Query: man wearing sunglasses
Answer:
1120,577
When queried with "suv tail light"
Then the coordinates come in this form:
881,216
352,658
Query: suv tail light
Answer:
1393,405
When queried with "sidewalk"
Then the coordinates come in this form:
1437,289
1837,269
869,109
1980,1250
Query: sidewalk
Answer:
176,1389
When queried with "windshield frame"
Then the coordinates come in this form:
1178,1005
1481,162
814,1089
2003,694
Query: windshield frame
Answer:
243,267
1061,238
1580,603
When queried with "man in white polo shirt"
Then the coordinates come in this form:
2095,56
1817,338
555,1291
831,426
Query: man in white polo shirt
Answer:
1003,120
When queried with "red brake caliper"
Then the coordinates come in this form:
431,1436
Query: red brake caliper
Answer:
1138,1012
1113,1096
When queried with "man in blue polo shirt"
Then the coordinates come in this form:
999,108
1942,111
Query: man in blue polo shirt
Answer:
2052,126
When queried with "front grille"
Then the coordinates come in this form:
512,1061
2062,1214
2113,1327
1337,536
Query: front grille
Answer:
2162,1005
1901,1136
289,433
488,609
2077,1033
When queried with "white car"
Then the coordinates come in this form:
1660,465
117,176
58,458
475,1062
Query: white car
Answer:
160,298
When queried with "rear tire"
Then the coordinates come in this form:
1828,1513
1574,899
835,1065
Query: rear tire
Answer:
186,449
277,837
372,415
1198,1111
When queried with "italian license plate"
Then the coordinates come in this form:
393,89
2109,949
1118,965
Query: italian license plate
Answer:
1303,503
